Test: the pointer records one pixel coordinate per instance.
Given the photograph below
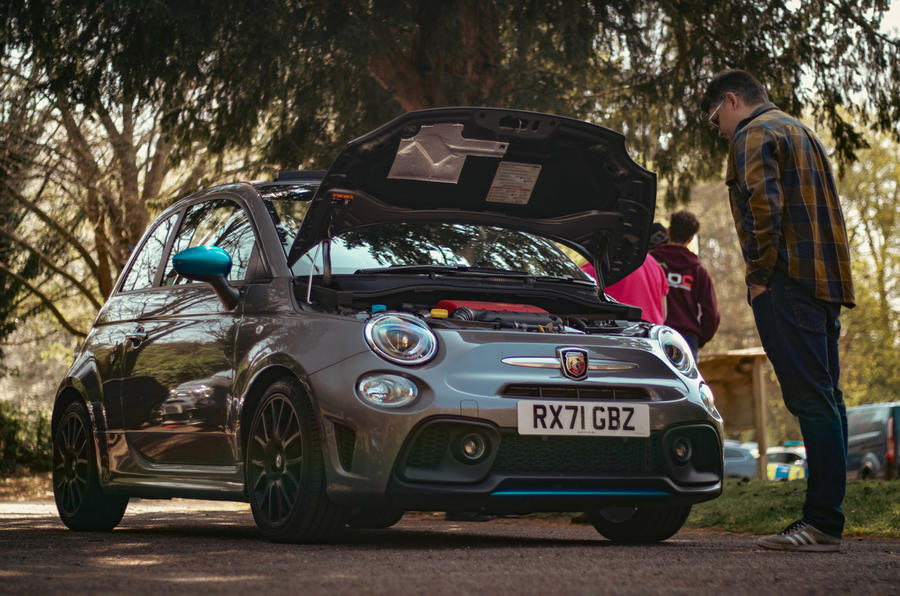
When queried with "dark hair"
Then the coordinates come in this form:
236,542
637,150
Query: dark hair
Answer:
740,82
658,235
682,225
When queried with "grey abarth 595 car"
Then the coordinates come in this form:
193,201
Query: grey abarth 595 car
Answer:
402,332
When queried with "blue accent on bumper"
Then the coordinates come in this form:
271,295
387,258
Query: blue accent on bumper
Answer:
580,493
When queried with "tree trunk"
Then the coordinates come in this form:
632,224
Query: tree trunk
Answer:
431,75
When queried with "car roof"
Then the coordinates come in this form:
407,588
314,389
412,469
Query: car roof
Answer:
884,404
782,449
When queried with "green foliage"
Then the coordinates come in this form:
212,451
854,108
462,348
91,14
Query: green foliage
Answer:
197,79
180,362
870,357
313,74
25,440
871,508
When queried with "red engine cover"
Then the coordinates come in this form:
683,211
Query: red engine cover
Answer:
451,305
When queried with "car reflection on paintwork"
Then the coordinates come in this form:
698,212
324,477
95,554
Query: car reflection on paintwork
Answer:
404,332
190,403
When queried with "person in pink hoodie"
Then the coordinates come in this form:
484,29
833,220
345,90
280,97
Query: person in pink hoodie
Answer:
645,287
692,309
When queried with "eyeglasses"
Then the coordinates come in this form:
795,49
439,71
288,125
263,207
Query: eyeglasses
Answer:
713,119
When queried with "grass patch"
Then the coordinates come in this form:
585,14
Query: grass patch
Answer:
871,508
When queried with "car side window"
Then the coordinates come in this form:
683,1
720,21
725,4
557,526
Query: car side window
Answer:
221,223
143,271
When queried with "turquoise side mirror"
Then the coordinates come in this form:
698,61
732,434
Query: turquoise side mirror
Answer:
202,262
210,264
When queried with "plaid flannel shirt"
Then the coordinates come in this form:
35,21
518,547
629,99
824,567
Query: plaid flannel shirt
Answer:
785,206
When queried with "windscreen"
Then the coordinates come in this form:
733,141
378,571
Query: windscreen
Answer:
397,245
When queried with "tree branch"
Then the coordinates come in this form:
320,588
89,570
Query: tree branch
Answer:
158,169
193,179
65,234
43,298
853,14
126,155
52,266
396,74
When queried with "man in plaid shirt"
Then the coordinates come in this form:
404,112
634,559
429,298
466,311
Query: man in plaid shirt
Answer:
789,222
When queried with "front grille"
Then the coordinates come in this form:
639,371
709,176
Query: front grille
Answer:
588,456
576,392
537,455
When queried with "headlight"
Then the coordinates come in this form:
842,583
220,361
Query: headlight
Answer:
388,391
677,351
401,338
706,395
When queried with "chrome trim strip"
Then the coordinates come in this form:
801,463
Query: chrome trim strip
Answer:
224,487
545,362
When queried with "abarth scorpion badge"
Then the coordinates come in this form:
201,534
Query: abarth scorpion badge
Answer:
573,362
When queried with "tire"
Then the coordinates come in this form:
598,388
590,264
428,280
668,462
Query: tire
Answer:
639,524
80,501
285,470
373,519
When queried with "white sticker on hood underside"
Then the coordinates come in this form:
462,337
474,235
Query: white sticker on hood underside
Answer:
438,152
513,183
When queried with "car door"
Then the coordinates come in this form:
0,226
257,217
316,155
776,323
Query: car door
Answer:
119,317
177,395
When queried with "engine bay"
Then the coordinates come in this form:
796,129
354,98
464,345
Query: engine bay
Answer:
456,313
482,302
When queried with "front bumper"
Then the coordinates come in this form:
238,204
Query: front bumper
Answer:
408,458
521,474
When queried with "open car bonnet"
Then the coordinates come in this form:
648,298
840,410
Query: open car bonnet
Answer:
557,177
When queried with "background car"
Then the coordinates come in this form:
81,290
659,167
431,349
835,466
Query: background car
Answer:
739,461
752,447
402,332
787,463
872,431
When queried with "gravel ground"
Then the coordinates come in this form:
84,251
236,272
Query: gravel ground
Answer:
183,547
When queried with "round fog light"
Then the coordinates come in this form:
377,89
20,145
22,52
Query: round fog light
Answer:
386,390
681,450
473,447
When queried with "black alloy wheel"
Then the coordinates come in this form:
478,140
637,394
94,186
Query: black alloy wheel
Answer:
275,457
285,469
79,499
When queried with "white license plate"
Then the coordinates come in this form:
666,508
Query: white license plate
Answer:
599,419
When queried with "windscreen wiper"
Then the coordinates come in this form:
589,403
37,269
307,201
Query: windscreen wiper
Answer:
445,270
565,279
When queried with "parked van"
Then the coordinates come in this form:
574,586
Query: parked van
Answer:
872,432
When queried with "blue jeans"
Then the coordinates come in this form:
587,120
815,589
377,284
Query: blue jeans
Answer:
693,343
800,336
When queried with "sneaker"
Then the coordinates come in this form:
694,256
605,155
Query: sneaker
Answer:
800,536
